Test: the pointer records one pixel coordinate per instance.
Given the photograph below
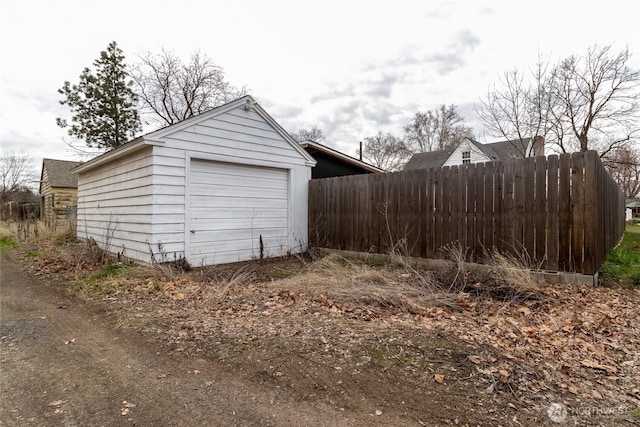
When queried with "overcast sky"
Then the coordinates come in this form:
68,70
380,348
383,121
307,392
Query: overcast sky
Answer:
351,68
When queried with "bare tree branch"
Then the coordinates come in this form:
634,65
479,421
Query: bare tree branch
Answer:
16,174
172,91
385,151
440,129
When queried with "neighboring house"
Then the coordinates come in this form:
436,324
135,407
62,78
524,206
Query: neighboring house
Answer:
58,192
226,185
634,205
332,163
470,151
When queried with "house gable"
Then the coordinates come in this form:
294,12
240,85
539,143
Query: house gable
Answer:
475,152
58,191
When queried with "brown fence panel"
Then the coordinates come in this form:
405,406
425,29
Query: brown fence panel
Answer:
562,212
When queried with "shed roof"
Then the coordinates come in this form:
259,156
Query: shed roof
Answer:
312,146
59,173
155,137
495,151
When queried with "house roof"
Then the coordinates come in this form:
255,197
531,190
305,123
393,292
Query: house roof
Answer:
155,137
312,146
495,151
429,160
59,173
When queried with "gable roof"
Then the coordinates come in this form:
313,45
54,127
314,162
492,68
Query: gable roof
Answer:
155,137
59,173
310,146
495,151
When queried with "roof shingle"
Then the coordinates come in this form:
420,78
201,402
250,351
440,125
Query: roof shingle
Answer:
59,173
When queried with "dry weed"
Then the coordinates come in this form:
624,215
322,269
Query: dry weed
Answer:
356,283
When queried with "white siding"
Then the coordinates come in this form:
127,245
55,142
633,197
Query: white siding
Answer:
115,205
477,156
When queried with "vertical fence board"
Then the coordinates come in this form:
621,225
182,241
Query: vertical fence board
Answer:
517,245
452,202
528,226
552,217
590,208
461,211
577,212
510,213
438,232
541,211
489,235
564,213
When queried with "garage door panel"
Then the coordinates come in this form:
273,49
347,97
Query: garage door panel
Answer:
204,212
240,181
235,224
226,203
231,206
244,236
225,190
225,171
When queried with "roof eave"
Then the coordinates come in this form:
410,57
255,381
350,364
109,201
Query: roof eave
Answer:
343,157
117,153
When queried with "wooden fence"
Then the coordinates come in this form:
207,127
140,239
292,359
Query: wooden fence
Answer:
562,213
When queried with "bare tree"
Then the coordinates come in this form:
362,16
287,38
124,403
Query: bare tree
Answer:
385,151
440,129
598,95
174,91
624,165
314,134
16,173
515,109
588,102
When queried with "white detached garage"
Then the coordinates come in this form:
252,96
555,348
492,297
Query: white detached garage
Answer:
227,185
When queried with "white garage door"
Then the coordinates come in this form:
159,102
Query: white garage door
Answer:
232,207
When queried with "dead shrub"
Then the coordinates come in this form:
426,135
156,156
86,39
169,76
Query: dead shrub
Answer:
504,277
94,255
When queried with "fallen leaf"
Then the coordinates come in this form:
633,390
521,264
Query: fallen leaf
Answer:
475,359
503,373
524,310
125,411
439,378
71,341
57,402
596,365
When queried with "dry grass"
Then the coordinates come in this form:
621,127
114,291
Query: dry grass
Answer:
337,279
23,231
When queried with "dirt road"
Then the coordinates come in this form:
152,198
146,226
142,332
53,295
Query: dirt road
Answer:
61,364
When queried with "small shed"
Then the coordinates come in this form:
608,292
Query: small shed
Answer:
224,186
58,192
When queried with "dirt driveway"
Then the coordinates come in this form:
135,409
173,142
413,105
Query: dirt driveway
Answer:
62,364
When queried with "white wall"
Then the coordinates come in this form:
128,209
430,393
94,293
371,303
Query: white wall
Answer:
115,204
477,156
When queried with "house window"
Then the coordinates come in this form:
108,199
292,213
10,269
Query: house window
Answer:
466,157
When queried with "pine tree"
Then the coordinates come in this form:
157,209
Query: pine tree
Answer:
103,105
